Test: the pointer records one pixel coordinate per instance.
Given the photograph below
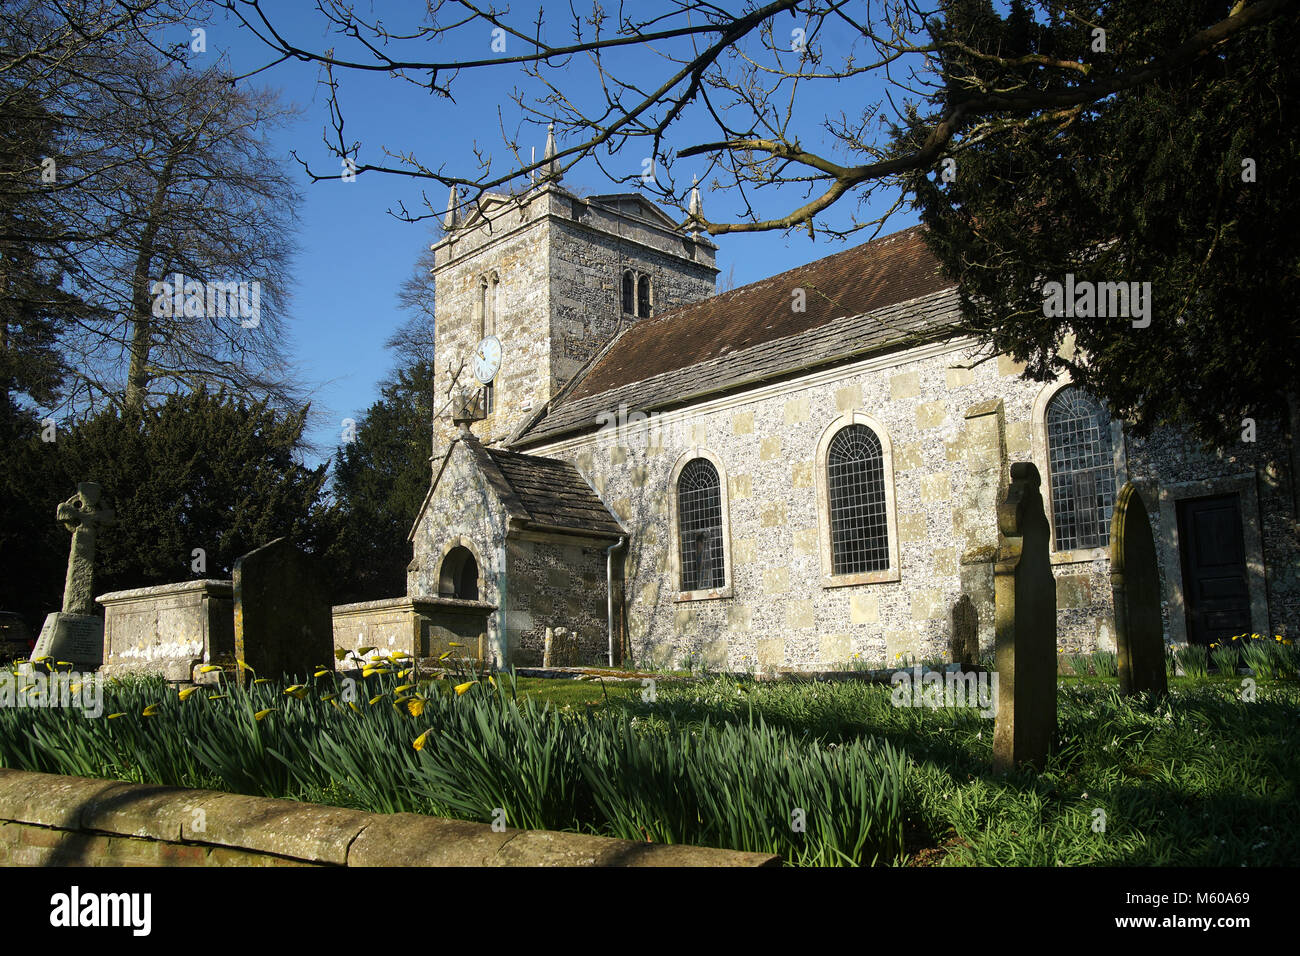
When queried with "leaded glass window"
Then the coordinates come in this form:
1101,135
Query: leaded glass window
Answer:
699,523
855,472
1081,464
629,293
643,296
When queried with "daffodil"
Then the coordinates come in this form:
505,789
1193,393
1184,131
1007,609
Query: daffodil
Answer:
398,690
454,644
150,710
376,699
420,741
323,672
262,713
262,680
445,656
185,694
415,707
296,690
461,688
208,668
216,697
353,705
243,666
114,716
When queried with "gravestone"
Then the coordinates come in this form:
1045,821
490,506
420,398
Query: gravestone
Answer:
1024,595
283,624
965,634
1135,585
560,648
75,634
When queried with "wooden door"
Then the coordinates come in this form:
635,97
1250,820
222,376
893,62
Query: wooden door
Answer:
1215,587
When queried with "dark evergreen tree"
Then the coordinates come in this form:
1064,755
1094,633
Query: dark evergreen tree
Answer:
380,481
199,471
1184,181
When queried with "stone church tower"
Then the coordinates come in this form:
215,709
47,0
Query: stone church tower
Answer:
554,276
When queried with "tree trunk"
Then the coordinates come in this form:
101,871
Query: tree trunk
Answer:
138,377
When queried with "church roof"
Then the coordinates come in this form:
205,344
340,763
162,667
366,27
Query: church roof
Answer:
884,294
544,493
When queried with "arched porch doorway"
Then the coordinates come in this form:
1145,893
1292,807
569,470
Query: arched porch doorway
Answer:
458,576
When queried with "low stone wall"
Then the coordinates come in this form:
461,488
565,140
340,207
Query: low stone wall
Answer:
53,820
170,629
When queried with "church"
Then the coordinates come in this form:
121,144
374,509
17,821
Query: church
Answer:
792,475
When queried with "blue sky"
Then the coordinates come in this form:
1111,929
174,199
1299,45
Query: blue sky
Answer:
354,254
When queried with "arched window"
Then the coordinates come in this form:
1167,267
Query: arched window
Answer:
643,296
488,304
458,577
1081,465
699,523
855,481
629,293
494,301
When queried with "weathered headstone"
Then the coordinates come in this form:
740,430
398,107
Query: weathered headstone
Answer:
560,648
965,634
283,625
75,634
1025,626
1135,585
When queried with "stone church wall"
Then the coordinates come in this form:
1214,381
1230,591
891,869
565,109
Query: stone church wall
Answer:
953,424
463,511
556,584
586,275
559,262
522,384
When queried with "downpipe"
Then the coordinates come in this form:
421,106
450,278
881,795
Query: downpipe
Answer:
609,590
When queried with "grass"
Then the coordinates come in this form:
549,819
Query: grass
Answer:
1202,777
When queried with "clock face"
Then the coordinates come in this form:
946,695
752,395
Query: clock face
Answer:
487,359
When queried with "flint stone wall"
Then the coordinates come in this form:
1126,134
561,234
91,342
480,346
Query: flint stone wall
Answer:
560,261
948,466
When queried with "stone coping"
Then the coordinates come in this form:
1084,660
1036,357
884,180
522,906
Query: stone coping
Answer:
427,600
224,588
320,834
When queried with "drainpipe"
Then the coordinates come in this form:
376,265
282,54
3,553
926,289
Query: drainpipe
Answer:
609,590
